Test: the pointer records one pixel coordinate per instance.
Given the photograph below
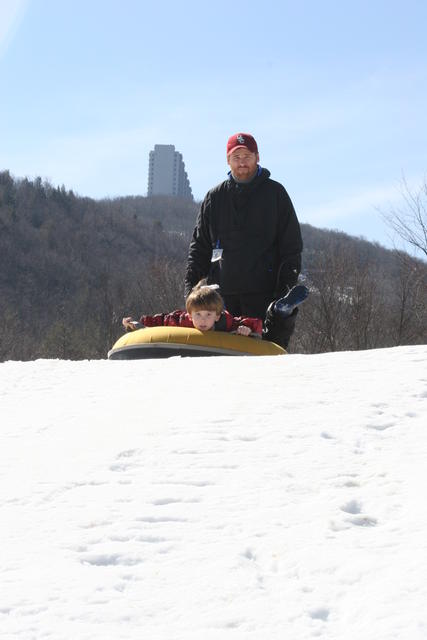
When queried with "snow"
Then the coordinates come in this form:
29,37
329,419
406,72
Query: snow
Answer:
215,498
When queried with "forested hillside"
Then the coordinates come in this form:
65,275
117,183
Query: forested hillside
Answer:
71,267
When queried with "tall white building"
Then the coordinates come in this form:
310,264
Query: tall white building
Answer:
166,173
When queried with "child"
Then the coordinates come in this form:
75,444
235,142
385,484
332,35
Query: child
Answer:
205,311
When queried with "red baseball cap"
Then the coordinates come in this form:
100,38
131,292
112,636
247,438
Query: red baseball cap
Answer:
242,140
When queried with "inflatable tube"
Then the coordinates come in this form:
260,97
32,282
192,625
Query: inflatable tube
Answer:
164,342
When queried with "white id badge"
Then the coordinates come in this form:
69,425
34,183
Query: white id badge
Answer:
216,255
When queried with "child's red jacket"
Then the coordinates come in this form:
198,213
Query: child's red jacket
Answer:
227,322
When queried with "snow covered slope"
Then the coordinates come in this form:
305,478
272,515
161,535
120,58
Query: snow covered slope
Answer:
222,498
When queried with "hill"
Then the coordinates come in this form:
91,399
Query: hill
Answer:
275,497
71,267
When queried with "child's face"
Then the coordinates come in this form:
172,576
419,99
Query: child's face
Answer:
204,320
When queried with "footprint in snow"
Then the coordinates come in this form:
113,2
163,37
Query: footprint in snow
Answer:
128,453
353,506
321,613
161,519
249,554
381,427
112,559
161,502
326,435
363,521
124,460
351,483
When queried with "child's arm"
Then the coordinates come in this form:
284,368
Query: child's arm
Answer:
246,326
157,320
174,319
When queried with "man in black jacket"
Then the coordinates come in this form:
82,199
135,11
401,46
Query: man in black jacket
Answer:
247,239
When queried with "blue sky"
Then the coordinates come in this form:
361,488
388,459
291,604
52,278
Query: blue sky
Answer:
335,93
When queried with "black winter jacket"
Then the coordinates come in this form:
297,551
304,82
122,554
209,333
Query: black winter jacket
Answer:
257,229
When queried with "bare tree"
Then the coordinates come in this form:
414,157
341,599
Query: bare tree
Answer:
347,307
409,301
410,220
161,286
324,318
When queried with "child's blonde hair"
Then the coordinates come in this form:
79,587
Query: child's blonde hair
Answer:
204,297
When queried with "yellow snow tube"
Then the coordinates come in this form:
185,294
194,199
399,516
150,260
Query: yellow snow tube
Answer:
164,342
